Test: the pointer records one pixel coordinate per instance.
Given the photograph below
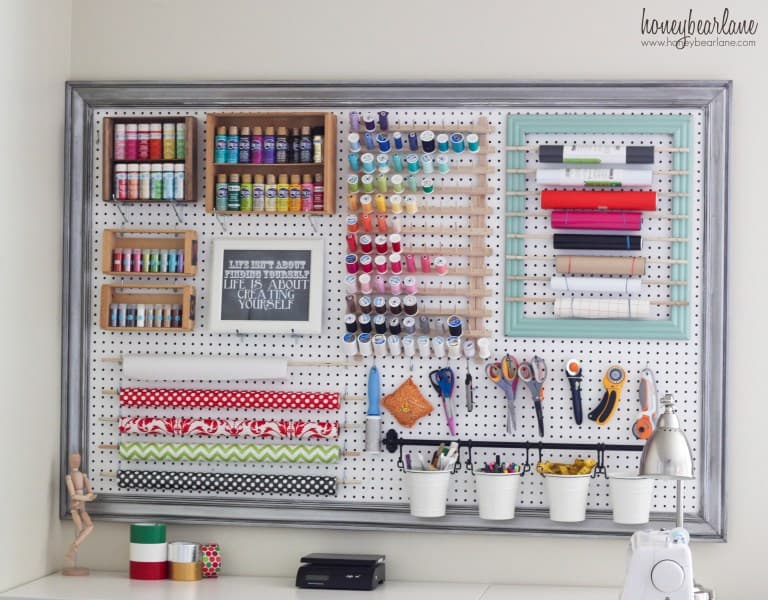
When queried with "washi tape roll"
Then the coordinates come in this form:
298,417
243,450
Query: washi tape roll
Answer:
147,533
185,571
183,552
148,553
148,571
211,560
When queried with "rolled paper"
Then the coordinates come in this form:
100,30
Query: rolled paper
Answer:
600,265
596,200
260,428
614,155
575,241
617,221
189,398
302,485
595,177
210,559
624,285
228,452
602,308
203,368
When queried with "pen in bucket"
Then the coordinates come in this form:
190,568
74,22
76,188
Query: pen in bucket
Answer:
443,459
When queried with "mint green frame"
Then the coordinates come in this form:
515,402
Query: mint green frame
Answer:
677,327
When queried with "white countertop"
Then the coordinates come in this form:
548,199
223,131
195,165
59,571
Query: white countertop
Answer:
102,585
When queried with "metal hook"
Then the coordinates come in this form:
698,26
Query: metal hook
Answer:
220,222
469,464
120,210
176,208
527,465
240,334
400,463
312,224
600,467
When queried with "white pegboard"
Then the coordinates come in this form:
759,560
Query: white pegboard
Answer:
676,363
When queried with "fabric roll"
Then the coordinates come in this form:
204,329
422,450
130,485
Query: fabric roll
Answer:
202,368
597,200
602,308
570,177
616,221
600,265
584,154
299,485
624,285
259,428
228,452
187,398
211,560
576,241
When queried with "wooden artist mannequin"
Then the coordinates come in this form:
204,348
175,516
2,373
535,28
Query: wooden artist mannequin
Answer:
80,492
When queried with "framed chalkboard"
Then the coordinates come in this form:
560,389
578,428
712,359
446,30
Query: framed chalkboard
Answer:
266,286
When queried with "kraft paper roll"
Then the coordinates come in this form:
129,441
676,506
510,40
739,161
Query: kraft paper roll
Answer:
625,285
228,452
575,241
185,571
642,177
148,552
146,571
206,426
600,265
602,308
203,368
597,200
596,219
211,398
147,533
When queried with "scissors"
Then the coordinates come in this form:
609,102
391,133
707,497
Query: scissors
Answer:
442,381
504,375
534,374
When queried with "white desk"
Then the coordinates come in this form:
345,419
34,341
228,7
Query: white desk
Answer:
117,586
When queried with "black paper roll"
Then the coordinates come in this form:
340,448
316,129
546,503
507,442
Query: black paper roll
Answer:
574,241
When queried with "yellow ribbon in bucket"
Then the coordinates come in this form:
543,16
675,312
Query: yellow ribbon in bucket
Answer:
580,466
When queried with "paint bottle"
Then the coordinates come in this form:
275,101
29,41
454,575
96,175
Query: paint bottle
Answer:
149,315
164,260
155,141
117,260
281,146
295,154
167,181
220,145
256,142
282,193
270,194
172,260
142,144
268,146
305,145
133,182
118,147
294,194
180,261
140,313
169,141
258,193
121,182
307,190
246,192
233,145
317,145
178,181
318,194
144,177
181,141
145,253
222,191
233,192
156,182
136,260
244,145
131,134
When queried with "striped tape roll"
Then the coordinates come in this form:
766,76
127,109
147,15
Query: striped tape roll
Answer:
148,533
148,553
211,559
144,570
228,452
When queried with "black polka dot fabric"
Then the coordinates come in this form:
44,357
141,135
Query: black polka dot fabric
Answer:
303,485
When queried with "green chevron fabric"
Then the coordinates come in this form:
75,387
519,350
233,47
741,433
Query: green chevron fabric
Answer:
229,452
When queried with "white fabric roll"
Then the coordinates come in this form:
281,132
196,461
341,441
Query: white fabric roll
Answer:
602,308
595,177
152,553
201,368
617,285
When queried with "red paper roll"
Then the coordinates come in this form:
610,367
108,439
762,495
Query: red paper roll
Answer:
187,398
591,200
148,570
597,219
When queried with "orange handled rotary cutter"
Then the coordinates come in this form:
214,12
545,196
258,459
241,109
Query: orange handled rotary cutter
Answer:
613,380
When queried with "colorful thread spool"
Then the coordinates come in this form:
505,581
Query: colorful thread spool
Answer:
397,184
364,344
427,141
366,263
412,185
381,203
369,121
354,120
473,143
381,223
367,183
409,345
395,263
381,244
411,205
395,285
409,325
351,242
396,204
382,141
366,204
453,344
380,302
379,345
354,142
365,283
395,241
443,144
443,165
350,284
366,223
395,305
410,286
353,183
412,161
427,164
394,224
410,306
368,162
457,142
380,263
422,342
368,140
352,263
427,185
413,141
441,265
354,161
349,344
383,120
382,163
366,243
350,322
397,140
379,284
438,346
397,163
425,263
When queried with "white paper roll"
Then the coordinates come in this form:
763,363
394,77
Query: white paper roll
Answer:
621,285
148,552
602,308
200,368
595,177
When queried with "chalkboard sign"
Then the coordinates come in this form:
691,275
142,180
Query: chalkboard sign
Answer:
267,286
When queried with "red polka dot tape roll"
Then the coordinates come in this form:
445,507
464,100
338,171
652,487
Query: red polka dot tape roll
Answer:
211,559
188,398
259,428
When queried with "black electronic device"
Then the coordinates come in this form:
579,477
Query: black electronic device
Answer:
341,571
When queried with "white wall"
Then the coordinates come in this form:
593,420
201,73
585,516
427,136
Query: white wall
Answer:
165,39
35,47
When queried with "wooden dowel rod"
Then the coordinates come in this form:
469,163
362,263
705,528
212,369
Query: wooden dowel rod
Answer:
537,192
548,236
529,171
457,230
643,281
460,211
442,126
651,215
659,261
654,302
450,251
656,148
460,292
469,272
453,170
441,191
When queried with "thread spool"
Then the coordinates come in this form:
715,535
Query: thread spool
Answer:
423,345
354,161
397,163
368,140
352,224
394,326
369,121
367,162
354,142
395,285
353,183
396,204
409,346
350,284
379,284
411,205
395,263
351,303
438,346
443,165
469,348
411,286
395,242
351,242
484,348
381,244
473,143
365,283
413,141
366,243
381,223
409,325
364,321
427,141
397,140
443,142
453,345
412,161
457,142
380,324
425,263
349,344
410,263
424,324
354,121
380,305
383,120
395,305
382,141
366,181
350,323
394,224
412,185
441,265
379,345
380,263
366,263
454,325
380,203
427,164
353,204
427,185
364,303
382,163
410,305
393,345
397,185
352,263
366,222
364,344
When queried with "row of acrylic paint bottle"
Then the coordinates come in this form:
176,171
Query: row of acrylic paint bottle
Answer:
156,181
269,193
149,141
268,146
147,260
145,315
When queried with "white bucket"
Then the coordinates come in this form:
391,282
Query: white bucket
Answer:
567,495
497,495
428,492
631,498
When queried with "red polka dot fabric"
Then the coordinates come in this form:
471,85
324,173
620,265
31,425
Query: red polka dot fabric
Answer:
211,559
187,398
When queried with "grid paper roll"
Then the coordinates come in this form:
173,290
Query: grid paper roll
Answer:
624,285
595,177
260,428
187,398
202,368
621,220
600,265
597,200
300,485
602,308
228,452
